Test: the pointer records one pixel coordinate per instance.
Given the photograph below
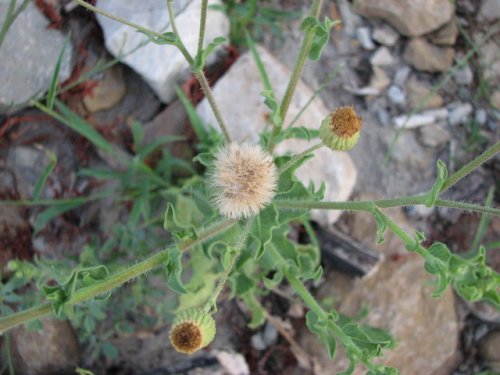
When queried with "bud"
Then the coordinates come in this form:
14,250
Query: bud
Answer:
243,180
341,129
192,330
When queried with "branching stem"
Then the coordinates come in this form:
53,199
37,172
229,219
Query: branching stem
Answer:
115,280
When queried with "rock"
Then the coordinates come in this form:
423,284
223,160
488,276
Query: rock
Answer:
382,56
246,118
27,163
401,75
265,338
489,61
396,95
495,99
364,38
409,154
54,349
350,20
463,75
379,79
488,350
109,91
459,113
159,65
409,17
385,35
446,35
421,119
420,95
15,230
427,57
434,136
489,11
399,299
481,116
231,363
28,56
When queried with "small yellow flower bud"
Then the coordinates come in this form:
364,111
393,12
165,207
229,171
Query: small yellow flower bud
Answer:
192,330
341,129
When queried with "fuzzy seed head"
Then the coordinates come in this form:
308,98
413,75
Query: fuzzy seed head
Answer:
192,330
243,180
341,129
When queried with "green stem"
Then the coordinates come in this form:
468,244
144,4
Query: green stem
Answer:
383,203
115,280
212,302
203,19
10,17
179,44
215,109
469,167
296,73
292,161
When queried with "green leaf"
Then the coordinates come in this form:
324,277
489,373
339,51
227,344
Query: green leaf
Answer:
270,102
173,269
109,350
204,158
50,213
54,81
381,226
165,38
42,179
194,118
263,226
201,58
258,315
437,262
181,229
442,173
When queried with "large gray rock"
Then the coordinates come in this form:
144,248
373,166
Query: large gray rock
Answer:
242,107
409,17
28,56
159,65
427,57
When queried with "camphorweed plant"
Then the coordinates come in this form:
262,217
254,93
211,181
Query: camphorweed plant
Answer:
241,215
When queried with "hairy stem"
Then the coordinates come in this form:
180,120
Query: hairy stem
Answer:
211,100
288,164
470,166
115,280
203,20
383,203
180,45
296,73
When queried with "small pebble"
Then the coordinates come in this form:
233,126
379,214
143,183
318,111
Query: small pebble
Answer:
364,38
385,35
402,75
459,114
396,95
382,56
481,116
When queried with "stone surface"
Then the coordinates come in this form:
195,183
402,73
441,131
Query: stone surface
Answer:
464,75
382,56
489,11
52,350
28,56
379,79
495,99
409,17
159,65
446,35
246,117
460,113
396,95
420,119
398,297
364,38
110,89
420,95
434,136
489,350
428,58
385,35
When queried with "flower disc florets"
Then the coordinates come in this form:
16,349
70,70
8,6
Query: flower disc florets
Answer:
341,129
243,180
192,330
